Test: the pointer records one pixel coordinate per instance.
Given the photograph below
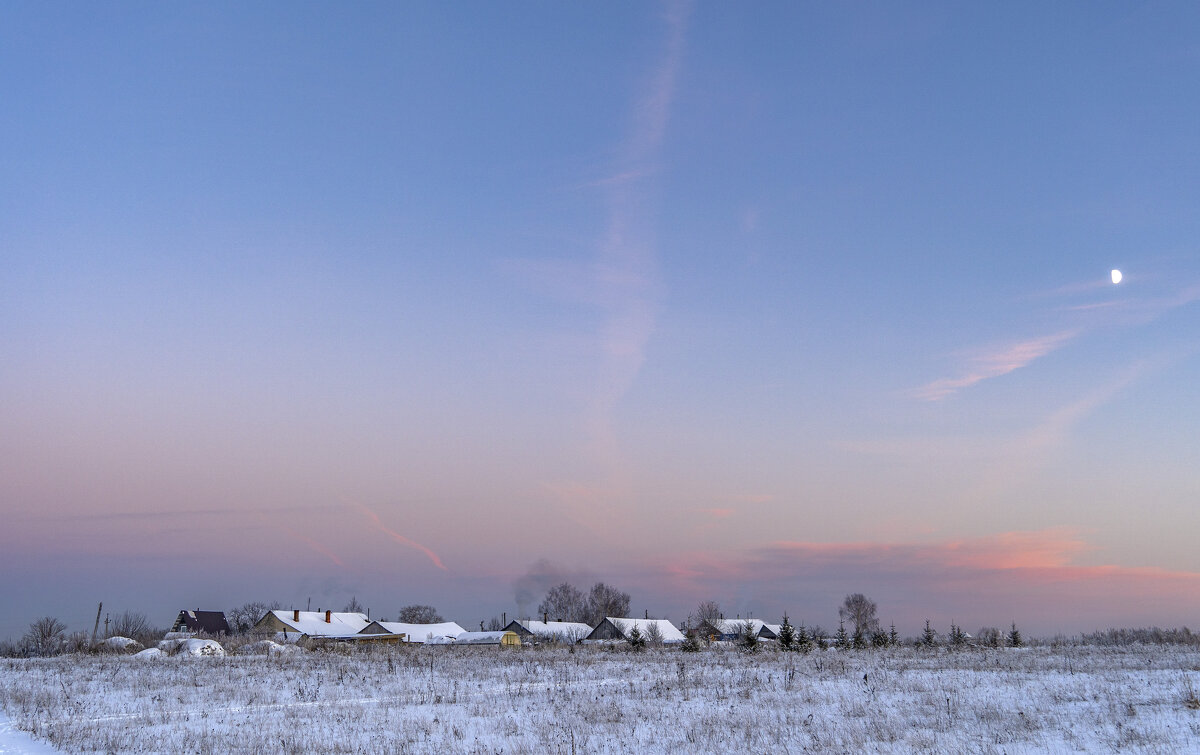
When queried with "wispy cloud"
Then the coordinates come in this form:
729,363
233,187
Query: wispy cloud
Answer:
626,268
1055,429
311,543
995,362
374,518
1129,309
620,283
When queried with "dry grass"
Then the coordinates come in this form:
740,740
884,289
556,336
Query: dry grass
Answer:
568,700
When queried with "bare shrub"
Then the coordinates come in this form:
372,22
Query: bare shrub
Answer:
44,637
135,626
243,618
654,636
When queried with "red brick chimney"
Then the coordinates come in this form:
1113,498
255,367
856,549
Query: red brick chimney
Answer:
328,614
295,614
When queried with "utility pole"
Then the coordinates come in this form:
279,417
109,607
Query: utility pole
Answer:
106,625
96,626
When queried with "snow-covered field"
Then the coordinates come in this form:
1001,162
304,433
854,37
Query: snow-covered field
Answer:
599,699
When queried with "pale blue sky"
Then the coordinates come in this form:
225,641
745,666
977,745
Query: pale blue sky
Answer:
672,295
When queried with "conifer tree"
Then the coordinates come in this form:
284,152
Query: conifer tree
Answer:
787,634
841,640
928,637
636,640
958,637
804,641
893,636
1014,637
858,641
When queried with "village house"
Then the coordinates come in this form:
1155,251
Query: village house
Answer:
567,632
211,623
294,624
731,629
619,629
418,633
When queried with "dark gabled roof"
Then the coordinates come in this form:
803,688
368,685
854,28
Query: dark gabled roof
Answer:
208,622
519,628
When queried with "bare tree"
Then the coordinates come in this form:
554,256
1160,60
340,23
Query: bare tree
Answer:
45,636
606,601
243,618
708,611
354,606
135,626
494,625
860,612
419,615
564,602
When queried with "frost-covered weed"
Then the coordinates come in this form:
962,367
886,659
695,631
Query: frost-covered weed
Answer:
560,700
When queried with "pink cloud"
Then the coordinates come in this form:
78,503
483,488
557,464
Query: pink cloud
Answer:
373,517
993,363
315,545
1030,576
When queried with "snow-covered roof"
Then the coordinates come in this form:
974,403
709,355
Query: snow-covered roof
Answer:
669,632
557,630
313,624
734,626
483,638
415,632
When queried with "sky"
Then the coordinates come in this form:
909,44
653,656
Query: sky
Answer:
445,303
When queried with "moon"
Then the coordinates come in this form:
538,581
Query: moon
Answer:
1116,276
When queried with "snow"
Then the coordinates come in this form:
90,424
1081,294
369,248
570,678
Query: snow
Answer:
313,623
192,647
482,638
266,647
150,654
416,632
670,633
557,631
608,699
121,643
13,740
734,626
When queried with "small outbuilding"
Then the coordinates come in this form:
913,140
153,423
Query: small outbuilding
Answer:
210,623
503,638
566,632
